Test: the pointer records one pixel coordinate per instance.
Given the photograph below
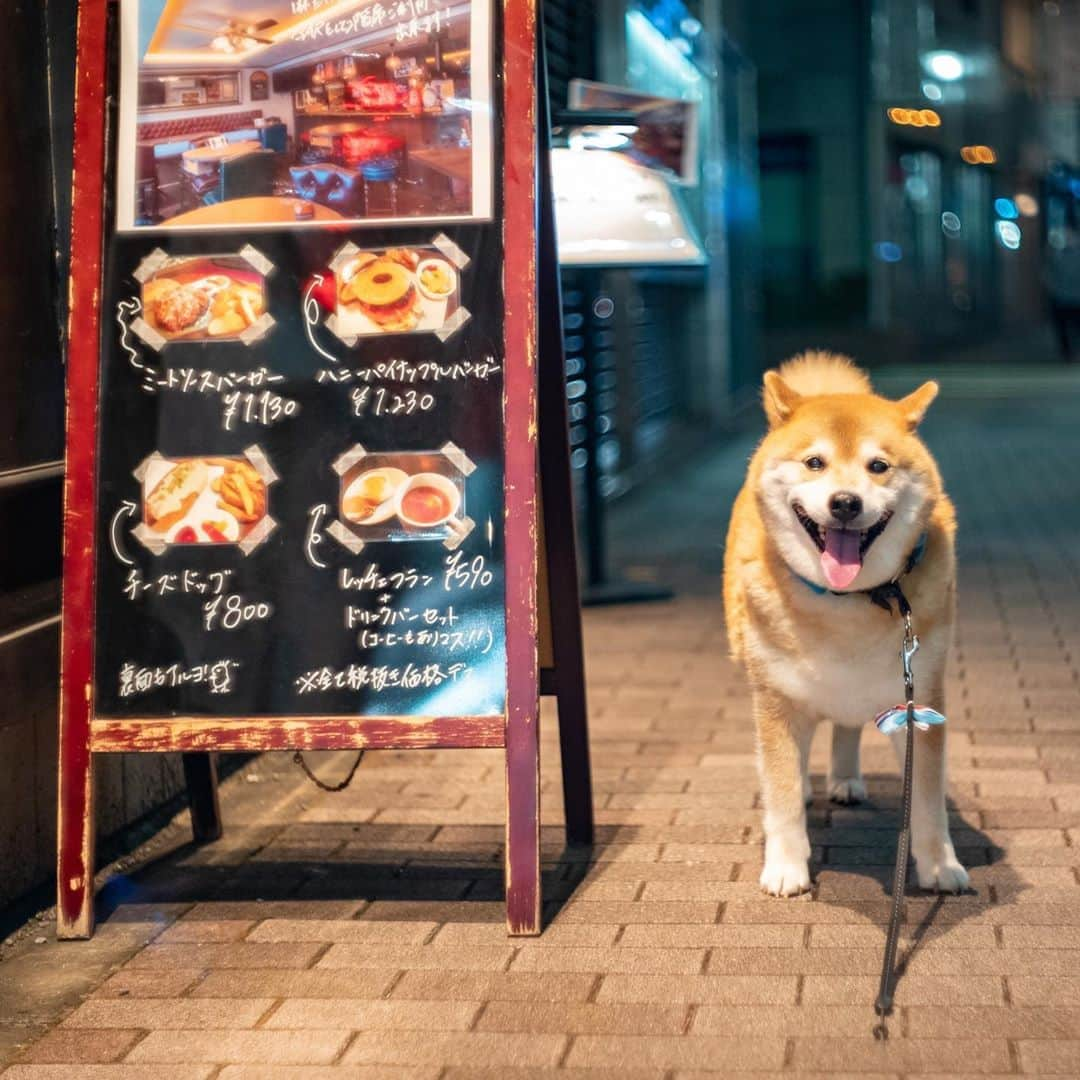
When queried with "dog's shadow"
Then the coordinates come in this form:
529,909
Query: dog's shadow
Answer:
853,865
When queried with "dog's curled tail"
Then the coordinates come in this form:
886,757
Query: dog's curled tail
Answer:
817,372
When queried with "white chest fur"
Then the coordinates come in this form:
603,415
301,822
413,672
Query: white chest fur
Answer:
850,672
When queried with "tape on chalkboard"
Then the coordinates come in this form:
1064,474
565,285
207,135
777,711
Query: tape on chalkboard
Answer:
458,458
258,329
450,250
147,334
258,534
459,529
258,461
140,470
346,461
149,540
333,324
150,265
343,255
257,260
345,537
456,320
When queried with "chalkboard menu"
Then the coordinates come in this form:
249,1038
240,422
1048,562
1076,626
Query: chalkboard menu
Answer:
289,523
300,461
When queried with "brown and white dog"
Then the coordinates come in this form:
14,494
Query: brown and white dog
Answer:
838,496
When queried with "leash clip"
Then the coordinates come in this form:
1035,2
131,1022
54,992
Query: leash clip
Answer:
909,648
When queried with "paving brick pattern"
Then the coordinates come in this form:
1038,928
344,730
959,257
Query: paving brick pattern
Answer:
361,935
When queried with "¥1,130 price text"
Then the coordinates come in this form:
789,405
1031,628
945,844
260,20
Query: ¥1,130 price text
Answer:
266,408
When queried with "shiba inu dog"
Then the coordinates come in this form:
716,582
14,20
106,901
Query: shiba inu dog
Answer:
841,496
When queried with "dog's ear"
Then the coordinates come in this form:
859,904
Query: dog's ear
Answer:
779,399
913,407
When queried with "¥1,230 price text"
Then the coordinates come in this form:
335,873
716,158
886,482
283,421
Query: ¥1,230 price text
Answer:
378,401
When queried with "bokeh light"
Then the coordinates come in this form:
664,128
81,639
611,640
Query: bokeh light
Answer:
950,224
1008,234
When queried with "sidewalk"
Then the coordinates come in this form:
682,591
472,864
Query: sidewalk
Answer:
361,935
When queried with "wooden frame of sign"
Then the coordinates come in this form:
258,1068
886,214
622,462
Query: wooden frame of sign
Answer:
543,645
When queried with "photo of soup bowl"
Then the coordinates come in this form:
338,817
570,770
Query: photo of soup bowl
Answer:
427,500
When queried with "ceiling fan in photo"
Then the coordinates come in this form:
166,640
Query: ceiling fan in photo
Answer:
231,35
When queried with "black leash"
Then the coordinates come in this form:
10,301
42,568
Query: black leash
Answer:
884,1003
883,596
299,759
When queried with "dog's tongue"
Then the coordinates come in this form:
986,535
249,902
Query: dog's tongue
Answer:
841,561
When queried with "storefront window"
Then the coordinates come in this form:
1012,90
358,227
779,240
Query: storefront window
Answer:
31,366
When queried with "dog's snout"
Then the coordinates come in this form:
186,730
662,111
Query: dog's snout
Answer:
845,506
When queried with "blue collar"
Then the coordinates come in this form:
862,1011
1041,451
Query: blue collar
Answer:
913,560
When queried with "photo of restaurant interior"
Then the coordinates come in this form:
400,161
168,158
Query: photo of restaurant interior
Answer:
284,111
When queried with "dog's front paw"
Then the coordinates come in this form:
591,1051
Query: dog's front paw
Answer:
846,790
943,873
781,878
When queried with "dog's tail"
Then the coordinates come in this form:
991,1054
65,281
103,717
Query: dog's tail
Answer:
816,372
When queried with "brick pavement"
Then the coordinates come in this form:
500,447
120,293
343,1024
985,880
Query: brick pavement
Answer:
361,935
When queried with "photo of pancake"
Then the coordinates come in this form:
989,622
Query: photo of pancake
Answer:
396,291
215,298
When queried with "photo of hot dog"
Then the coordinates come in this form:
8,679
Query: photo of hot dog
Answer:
202,500
173,496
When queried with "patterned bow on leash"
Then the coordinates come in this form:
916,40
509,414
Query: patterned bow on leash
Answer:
922,716
895,718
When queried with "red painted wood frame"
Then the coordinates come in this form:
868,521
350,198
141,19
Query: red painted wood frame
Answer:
82,734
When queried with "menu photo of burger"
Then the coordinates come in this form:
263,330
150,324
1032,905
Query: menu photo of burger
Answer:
404,496
398,290
205,500
204,298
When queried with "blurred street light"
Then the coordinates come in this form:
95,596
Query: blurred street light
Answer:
1027,204
888,252
978,155
950,223
1008,234
914,117
945,65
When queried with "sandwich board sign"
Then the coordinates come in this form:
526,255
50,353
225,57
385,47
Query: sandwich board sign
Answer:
303,489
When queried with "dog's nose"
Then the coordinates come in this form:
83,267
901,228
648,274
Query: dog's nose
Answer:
845,506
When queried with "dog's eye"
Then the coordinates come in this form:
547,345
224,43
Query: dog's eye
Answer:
814,463
878,465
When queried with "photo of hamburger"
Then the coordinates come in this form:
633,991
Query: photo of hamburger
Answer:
175,307
385,291
397,290
204,298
